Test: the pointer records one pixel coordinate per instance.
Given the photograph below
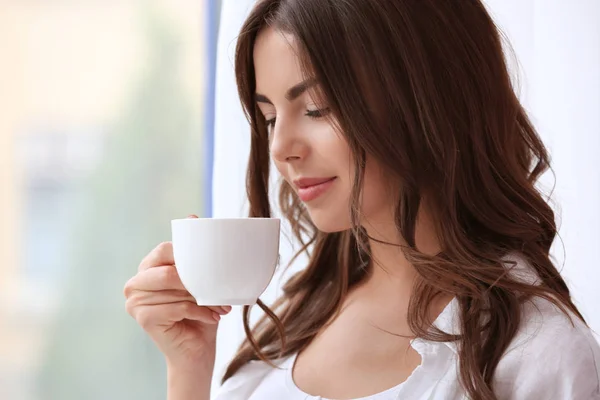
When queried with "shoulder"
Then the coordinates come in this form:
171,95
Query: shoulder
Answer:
551,357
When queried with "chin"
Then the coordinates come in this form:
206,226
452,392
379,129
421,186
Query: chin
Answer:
329,221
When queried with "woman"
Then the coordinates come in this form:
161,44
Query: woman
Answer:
409,171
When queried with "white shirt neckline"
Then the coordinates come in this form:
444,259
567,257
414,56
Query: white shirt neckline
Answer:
427,350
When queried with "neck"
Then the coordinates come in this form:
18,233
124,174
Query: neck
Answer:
392,276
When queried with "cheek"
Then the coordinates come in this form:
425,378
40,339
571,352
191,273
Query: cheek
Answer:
280,169
376,204
279,172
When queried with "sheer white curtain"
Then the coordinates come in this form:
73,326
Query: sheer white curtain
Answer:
232,145
557,44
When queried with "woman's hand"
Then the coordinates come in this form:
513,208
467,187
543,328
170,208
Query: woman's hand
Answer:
183,331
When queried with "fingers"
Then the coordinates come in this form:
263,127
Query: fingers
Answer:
165,315
141,297
164,277
156,296
160,285
145,298
160,255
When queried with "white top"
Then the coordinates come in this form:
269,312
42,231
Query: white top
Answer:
549,359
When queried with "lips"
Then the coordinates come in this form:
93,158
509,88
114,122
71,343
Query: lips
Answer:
311,188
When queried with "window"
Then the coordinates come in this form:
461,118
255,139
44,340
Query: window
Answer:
104,125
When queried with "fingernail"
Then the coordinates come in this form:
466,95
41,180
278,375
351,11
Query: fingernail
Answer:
216,316
192,216
226,308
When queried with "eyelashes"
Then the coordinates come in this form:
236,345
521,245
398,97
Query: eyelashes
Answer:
313,114
271,123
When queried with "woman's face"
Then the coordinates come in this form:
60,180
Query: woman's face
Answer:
308,152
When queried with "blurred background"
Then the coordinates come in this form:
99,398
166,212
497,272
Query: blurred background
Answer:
117,116
102,142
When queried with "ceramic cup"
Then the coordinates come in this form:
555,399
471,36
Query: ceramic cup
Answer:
225,261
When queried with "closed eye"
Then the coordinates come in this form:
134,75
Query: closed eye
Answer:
314,114
271,123
317,113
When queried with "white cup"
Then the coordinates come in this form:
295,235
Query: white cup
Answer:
225,261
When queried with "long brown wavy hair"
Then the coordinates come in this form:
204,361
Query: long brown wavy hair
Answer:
423,87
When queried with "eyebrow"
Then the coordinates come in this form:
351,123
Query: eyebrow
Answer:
293,93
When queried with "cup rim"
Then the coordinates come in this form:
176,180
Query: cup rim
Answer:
226,219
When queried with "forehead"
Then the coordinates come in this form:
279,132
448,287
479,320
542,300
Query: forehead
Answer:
276,63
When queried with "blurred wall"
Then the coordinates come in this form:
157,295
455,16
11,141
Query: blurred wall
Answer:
67,68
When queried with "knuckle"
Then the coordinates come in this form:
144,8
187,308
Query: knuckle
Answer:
136,298
164,248
170,275
159,252
188,308
166,274
130,308
128,288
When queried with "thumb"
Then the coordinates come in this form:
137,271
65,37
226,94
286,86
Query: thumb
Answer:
192,216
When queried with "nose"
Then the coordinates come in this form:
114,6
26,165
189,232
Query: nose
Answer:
287,144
